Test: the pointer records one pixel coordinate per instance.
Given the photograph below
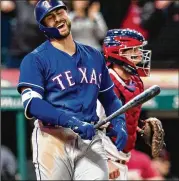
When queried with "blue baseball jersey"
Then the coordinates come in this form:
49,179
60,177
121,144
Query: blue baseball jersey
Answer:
69,83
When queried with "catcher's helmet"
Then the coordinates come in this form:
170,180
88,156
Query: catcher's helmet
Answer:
43,7
118,40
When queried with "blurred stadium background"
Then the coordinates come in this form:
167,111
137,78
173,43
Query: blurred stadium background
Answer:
158,21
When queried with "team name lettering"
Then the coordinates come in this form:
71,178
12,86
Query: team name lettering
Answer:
93,77
69,78
87,76
84,78
57,78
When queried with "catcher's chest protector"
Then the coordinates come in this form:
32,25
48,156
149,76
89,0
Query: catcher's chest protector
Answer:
126,90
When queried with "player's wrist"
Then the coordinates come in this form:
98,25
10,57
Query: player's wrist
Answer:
63,120
74,123
84,129
69,122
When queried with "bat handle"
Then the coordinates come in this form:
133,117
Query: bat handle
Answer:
99,124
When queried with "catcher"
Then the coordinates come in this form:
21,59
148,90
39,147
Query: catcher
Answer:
127,62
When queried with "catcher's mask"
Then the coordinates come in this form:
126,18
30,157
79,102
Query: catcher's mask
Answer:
42,8
116,46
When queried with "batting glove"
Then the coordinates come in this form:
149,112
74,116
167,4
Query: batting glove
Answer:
84,129
119,131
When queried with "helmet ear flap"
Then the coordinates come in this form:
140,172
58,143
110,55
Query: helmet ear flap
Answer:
50,32
42,8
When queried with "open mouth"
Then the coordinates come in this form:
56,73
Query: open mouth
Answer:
135,57
61,25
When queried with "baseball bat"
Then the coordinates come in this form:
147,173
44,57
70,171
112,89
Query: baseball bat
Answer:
137,100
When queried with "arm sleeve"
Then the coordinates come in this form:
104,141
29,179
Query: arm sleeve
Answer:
31,74
107,97
44,111
106,82
111,103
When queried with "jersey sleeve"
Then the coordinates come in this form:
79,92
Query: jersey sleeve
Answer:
31,74
106,82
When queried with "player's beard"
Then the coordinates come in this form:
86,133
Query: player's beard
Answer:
64,35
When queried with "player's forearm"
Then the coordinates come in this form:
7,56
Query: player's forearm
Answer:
49,115
44,111
111,103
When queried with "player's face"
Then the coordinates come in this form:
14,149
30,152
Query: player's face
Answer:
133,54
60,20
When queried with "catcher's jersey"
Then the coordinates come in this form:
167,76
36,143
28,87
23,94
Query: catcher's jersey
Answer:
126,90
69,83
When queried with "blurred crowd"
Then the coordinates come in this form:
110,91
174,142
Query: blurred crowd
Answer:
8,164
158,21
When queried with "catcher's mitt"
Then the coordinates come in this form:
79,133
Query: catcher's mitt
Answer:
153,135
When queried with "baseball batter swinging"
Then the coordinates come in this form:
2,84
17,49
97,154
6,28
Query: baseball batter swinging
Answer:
127,62
60,82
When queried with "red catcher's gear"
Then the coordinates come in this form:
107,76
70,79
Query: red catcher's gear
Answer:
126,90
114,46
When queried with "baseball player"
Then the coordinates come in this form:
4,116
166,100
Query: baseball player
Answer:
60,82
127,62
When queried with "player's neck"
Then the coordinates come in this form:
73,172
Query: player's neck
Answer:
67,44
121,72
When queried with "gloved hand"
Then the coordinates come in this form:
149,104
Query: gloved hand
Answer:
153,134
84,129
118,130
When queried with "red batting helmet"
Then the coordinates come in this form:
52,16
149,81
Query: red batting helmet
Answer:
119,40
